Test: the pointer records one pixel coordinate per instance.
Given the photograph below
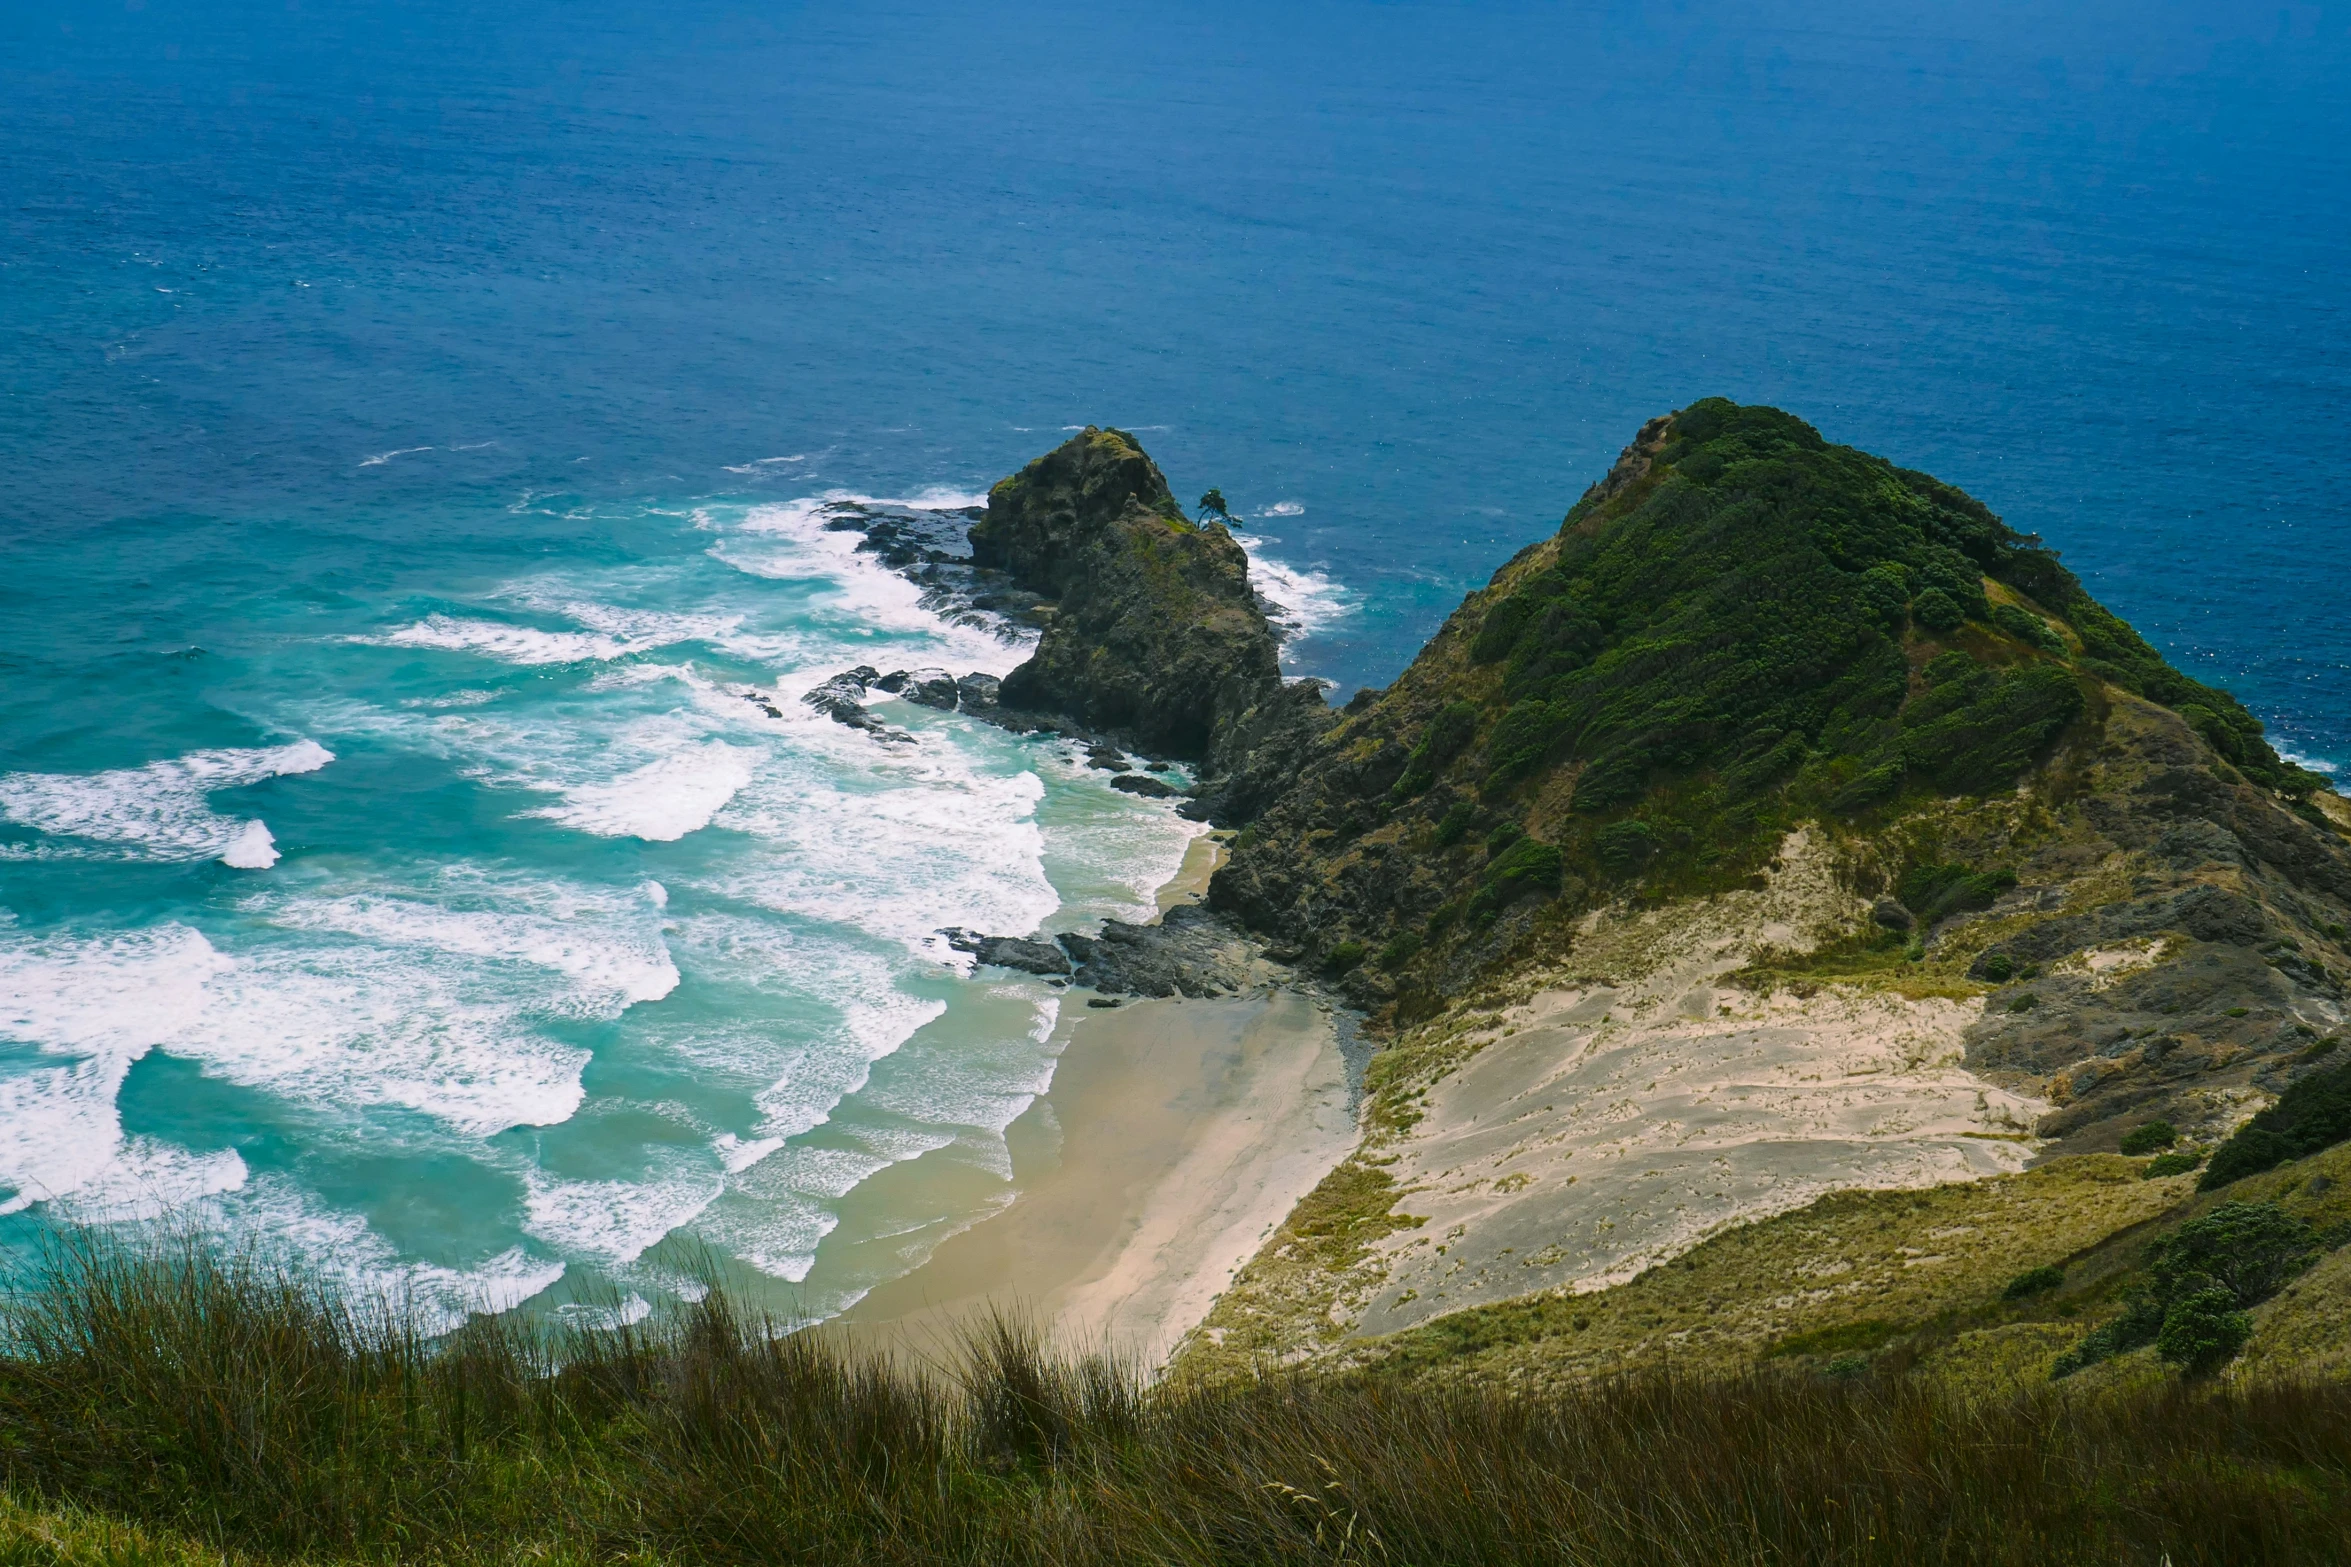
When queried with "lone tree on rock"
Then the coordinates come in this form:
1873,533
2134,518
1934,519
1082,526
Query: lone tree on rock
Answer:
1212,505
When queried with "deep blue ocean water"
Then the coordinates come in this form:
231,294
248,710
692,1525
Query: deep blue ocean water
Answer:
410,414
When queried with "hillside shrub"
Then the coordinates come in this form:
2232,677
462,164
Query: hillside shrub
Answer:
1343,957
1526,868
2164,1164
1938,611
1937,891
1455,824
2203,1330
1624,847
1447,736
2313,1113
2034,1281
2149,1137
2198,1277
2028,627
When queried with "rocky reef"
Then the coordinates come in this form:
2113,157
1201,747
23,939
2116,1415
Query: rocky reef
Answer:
1189,951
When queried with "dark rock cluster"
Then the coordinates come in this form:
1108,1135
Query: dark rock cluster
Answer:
1189,951
931,548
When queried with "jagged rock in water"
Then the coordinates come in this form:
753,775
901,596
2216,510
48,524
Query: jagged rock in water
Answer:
842,699
930,687
1014,952
929,547
1107,759
1143,784
977,692
1156,632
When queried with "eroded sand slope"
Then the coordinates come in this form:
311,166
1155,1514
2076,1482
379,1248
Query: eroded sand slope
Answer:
1630,1106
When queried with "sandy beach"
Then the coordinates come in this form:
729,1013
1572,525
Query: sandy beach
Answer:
1176,1136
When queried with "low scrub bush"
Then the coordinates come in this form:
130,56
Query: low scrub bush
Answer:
2034,1281
1935,892
2312,1114
2200,1279
1447,736
2151,1137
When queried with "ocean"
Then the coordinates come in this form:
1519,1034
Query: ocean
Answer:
417,424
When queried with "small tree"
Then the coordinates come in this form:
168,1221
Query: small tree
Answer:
2249,1249
2203,1331
1212,505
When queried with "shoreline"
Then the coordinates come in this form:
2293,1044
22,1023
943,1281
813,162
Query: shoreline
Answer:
1176,1136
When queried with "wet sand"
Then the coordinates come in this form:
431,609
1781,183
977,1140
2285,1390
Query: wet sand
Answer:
1175,1137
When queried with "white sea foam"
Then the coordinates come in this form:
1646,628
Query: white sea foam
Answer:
148,1179
1284,509
788,541
617,1221
336,1027
161,811
1306,600
380,458
509,643
104,1002
896,849
661,801
796,1077
624,1313
2316,764
280,1221
606,946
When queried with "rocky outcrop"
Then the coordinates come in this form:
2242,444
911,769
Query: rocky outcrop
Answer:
1154,633
842,699
1188,951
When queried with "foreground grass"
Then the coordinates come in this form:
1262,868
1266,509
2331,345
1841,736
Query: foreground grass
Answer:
152,1401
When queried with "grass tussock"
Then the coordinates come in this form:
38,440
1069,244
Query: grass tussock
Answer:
172,1395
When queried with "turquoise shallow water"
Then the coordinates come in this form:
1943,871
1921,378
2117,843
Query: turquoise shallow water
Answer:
410,418
458,939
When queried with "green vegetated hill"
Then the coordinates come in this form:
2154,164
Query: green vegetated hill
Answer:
1745,627
1742,630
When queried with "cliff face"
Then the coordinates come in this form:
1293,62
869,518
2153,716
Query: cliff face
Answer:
1744,629
1155,633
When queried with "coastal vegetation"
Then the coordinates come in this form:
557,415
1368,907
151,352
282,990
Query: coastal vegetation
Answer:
172,1406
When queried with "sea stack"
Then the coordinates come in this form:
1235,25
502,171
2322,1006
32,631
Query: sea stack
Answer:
1155,634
